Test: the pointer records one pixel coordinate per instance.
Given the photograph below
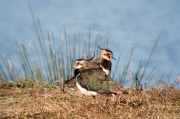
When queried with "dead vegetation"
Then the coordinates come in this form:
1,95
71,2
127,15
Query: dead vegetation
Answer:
41,100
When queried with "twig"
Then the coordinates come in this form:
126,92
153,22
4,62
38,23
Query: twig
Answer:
62,83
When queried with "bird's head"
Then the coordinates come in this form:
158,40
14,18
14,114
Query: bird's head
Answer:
80,63
106,54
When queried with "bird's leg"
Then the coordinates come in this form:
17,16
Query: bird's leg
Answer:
110,98
107,100
94,99
113,97
81,95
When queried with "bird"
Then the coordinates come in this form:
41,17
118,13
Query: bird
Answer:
79,63
93,81
103,61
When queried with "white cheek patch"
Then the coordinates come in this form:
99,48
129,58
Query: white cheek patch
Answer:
78,67
106,57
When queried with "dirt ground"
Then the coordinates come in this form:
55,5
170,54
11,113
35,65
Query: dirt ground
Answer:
50,102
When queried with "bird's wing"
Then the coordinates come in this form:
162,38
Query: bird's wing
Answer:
96,80
71,81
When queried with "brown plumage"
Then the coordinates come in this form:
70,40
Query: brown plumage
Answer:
79,64
103,63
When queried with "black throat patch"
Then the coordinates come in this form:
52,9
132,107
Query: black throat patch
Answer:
76,72
106,64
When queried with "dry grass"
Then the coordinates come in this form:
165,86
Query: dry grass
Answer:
44,101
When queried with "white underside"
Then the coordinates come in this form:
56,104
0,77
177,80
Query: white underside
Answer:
85,91
105,70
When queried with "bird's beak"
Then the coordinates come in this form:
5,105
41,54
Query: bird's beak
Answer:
113,58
